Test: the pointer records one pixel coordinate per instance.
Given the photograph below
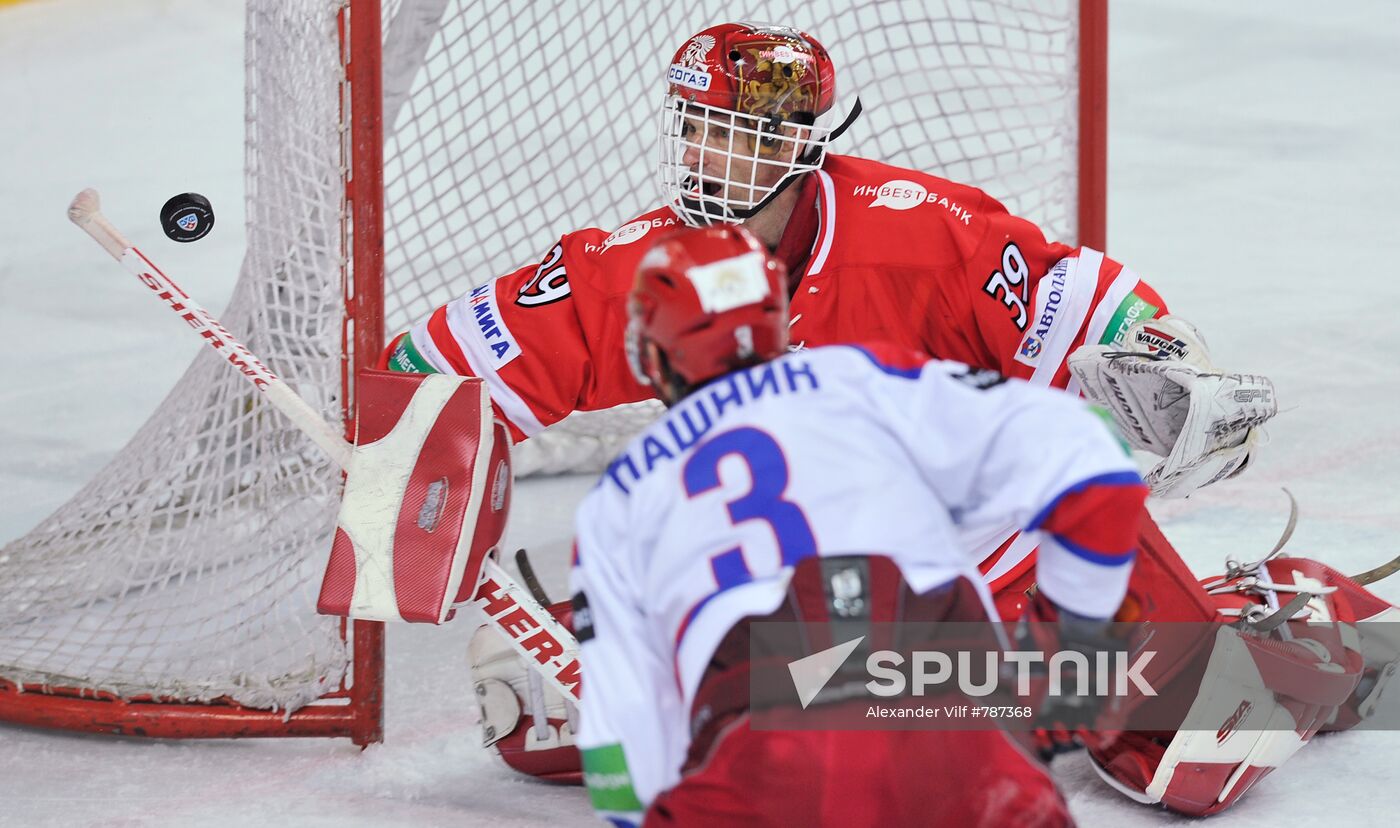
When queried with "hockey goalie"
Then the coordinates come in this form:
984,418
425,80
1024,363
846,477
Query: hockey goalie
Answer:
874,252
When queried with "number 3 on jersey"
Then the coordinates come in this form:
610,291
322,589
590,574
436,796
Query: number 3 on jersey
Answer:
768,469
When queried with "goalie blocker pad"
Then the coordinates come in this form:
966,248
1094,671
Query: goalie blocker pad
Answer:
426,498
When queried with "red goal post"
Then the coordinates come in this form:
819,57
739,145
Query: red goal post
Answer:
390,169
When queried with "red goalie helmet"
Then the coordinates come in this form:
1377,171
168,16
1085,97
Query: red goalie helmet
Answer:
748,107
705,302
755,69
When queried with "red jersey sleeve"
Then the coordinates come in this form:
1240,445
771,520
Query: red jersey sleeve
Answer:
1026,303
547,338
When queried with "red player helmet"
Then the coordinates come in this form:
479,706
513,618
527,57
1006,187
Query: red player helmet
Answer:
748,107
710,300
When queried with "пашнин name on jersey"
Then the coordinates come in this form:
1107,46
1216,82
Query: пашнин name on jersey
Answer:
686,424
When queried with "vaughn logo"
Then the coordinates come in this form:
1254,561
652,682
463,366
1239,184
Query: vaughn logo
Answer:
1233,723
1160,343
499,485
431,511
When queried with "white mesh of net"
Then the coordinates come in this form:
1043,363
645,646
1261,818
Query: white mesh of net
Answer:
189,567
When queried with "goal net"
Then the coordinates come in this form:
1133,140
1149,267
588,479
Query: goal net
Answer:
186,571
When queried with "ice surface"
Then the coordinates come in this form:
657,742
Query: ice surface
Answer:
1253,167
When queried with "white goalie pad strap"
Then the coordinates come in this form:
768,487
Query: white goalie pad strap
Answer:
426,486
1169,400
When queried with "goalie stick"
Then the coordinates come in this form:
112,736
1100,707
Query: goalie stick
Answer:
497,592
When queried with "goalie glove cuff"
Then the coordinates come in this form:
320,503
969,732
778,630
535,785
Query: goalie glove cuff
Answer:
1168,399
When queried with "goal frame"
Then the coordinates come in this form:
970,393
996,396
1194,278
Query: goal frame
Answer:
355,710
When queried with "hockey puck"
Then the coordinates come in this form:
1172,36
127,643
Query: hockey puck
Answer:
187,217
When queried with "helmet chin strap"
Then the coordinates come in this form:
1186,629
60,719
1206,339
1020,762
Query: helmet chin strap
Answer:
723,211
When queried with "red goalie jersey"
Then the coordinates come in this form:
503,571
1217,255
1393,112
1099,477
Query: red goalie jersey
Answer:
874,252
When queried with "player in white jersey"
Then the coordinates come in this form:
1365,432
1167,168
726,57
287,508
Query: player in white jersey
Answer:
767,465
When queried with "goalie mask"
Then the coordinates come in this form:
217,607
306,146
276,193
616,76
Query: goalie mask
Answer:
747,110
705,302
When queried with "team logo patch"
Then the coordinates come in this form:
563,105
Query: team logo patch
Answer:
1029,350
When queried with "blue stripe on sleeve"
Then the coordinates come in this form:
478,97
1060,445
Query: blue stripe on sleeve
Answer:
906,373
1122,478
1100,558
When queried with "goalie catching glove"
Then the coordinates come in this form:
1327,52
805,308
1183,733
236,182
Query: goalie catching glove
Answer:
1171,401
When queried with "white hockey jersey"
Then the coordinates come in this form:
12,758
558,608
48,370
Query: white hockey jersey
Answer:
833,451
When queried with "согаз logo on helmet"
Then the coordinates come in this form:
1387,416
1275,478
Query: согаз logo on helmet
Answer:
688,77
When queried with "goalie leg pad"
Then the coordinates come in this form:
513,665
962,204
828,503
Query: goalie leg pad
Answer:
525,721
1269,694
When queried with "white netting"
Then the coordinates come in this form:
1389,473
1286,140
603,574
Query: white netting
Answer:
188,568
